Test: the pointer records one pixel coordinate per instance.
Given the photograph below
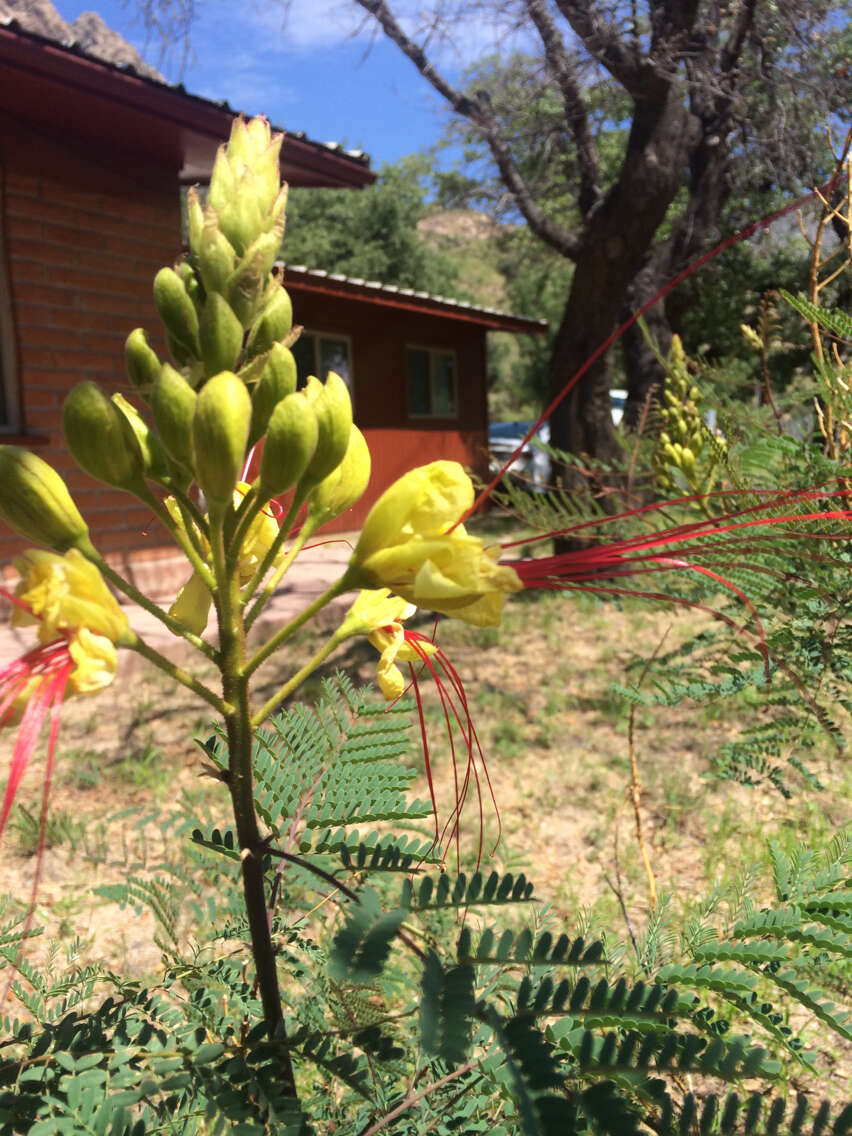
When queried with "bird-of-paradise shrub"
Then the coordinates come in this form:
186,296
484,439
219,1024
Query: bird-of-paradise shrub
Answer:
231,385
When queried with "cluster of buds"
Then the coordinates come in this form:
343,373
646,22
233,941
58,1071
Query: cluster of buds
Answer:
688,454
231,382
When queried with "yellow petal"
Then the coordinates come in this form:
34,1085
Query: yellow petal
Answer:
96,660
192,605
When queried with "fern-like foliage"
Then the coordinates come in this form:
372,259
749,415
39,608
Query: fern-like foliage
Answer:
435,1002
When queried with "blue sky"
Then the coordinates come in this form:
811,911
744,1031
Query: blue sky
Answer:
316,74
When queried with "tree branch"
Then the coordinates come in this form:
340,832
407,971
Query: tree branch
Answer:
477,111
564,72
603,43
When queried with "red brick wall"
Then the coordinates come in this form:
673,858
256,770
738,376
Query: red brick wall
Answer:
85,231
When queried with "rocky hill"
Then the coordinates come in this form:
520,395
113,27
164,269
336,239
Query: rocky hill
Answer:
88,31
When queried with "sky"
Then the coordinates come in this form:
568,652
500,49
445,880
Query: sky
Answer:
316,74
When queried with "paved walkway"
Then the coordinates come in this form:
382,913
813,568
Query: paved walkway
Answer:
312,572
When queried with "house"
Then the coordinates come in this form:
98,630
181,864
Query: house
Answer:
93,158
414,363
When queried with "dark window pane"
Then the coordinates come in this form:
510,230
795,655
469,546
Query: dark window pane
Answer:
304,352
443,385
417,368
334,356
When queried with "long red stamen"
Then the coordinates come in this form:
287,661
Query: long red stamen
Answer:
52,664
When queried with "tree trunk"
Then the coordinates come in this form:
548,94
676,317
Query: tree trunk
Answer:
616,239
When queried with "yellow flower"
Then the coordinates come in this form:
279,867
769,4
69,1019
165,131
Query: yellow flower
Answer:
379,616
412,542
66,594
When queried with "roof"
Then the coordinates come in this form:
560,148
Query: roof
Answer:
62,86
298,277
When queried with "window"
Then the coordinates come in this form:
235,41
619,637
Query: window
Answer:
431,377
317,354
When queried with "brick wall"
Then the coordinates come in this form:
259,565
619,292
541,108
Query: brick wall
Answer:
85,231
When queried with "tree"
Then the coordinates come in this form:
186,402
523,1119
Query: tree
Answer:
717,96
371,234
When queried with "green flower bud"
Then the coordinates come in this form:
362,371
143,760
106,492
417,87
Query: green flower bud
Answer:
223,181
273,325
277,380
290,444
195,215
216,256
100,438
173,406
344,485
245,286
241,219
143,366
220,334
220,429
333,408
155,463
177,311
687,462
35,502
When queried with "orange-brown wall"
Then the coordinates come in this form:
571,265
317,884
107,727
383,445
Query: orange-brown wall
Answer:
85,231
379,336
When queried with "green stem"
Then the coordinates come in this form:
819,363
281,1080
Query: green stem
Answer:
293,626
297,679
240,734
133,593
273,550
278,575
134,643
182,539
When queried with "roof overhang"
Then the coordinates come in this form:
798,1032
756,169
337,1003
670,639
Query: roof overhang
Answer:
297,278
51,84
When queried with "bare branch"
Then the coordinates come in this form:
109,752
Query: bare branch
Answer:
733,46
564,72
603,43
478,112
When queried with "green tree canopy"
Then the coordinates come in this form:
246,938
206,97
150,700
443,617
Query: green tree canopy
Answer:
371,233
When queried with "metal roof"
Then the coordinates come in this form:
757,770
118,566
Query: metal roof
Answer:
390,295
58,83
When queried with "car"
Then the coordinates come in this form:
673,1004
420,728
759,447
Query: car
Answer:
531,468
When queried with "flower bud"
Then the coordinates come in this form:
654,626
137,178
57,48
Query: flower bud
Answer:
223,179
35,502
220,428
277,380
100,438
173,406
273,325
291,440
155,463
195,216
216,256
333,409
177,311
344,485
143,366
245,286
241,219
220,334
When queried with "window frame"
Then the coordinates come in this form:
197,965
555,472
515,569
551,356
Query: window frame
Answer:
432,352
340,336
